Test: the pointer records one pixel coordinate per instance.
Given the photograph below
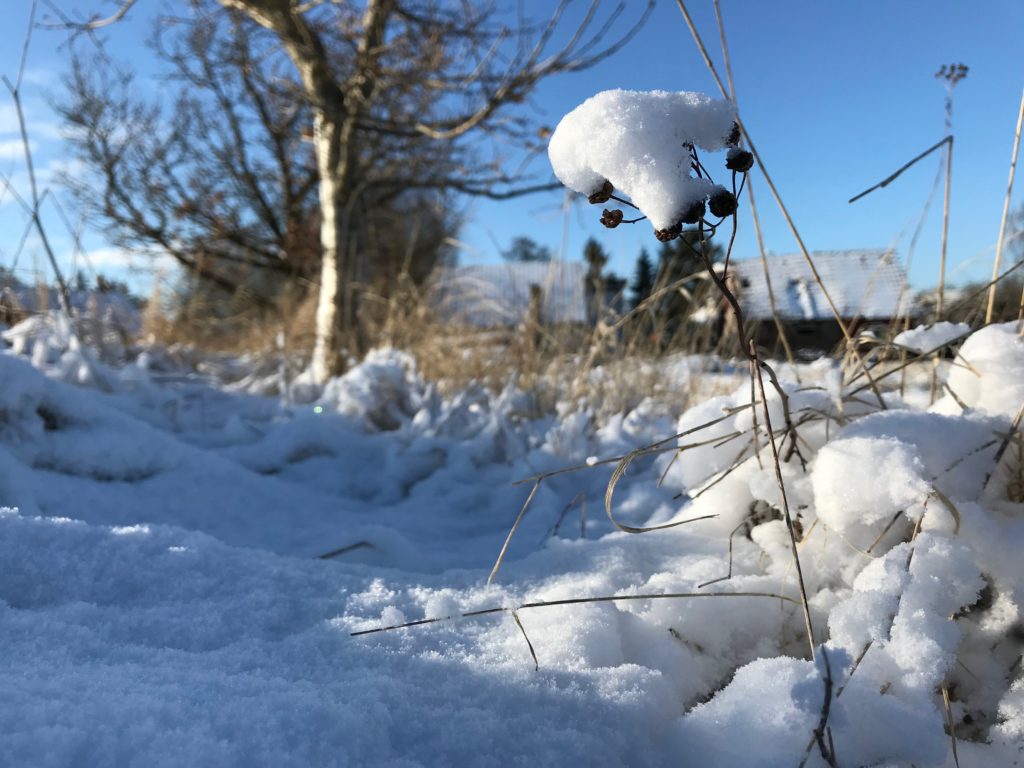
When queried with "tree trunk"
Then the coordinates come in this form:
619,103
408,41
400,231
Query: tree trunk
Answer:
337,108
330,306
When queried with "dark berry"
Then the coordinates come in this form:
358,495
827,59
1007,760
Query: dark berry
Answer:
739,160
603,195
612,218
734,135
694,213
671,233
722,203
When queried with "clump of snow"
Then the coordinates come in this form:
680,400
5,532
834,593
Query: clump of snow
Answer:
383,391
861,481
927,338
992,376
638,141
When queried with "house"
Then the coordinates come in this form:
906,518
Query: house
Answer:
499,295
868,287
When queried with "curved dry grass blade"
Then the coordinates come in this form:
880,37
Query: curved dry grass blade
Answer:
617,475
728,574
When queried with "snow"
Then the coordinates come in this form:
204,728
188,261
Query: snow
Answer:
638,141
165,599
931,337
991,377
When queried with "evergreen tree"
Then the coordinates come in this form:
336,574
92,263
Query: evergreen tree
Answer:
643,278
526,249
594,286
680,264
595,256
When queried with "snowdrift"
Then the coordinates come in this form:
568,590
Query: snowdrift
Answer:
161,603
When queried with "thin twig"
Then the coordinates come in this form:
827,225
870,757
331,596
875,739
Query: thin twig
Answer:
573,601
887,180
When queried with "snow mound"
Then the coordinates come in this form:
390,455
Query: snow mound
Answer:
382,392
638,141
992,376
927,338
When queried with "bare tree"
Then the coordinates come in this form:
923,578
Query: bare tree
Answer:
416,76
222,180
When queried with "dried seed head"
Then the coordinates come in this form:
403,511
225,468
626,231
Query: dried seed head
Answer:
603,195
612,218
734,135
722,203
694,213
739,160
666,235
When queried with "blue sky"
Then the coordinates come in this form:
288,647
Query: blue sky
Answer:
835,95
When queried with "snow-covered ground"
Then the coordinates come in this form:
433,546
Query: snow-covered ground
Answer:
164,599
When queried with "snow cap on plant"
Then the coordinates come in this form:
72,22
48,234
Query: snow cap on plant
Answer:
639,142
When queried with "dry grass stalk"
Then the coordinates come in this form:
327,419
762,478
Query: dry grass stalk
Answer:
945,231
512,531
950,725
779,328
526,637
782,209
573,601
804,603
1006,211
827,750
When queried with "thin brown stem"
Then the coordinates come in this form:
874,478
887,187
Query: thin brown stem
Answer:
574,601
804,603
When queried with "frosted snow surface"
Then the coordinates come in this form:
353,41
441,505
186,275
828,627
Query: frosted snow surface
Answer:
161,602
637,141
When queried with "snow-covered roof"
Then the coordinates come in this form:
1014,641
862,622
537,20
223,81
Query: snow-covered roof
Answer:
867,283
116,307
499,294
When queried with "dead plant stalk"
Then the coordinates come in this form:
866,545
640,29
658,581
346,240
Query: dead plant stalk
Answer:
783,210
1006,211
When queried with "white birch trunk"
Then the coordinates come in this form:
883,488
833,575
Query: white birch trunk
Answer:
325,346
